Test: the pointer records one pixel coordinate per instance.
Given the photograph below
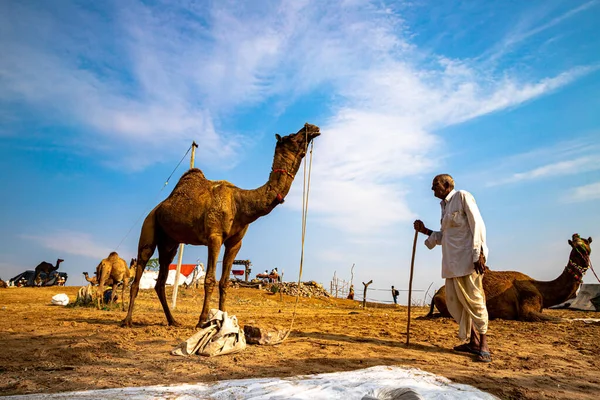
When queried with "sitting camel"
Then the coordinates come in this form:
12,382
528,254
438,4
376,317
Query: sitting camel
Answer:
46,268
112,268
512,295
209,213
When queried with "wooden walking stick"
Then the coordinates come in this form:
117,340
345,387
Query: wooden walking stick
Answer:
412,267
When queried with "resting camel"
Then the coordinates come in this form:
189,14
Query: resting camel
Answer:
46,268
3,284
214,213
112,268
515,296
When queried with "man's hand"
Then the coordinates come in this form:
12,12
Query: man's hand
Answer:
480,264
420,226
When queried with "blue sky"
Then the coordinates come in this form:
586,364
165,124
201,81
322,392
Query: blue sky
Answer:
99,102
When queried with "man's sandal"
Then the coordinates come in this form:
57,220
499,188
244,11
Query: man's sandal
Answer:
484,356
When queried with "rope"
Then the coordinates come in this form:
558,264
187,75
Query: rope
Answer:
305,193
592,268
157,196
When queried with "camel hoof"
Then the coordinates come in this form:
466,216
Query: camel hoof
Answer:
174,323
126,323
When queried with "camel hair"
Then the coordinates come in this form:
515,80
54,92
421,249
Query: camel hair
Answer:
46,268
94,280
115,268
209,213
513,295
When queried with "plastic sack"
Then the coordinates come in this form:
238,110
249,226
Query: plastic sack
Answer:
60,299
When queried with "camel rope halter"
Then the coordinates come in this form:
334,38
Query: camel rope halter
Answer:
305,193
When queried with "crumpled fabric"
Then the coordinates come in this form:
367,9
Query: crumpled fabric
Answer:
221,335
60,299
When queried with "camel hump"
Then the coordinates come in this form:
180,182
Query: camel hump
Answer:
114,254
193,172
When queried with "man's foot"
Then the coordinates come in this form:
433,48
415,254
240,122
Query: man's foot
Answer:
466,348
484,356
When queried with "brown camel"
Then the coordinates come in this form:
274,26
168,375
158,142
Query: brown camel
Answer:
115,268
46,268
93,280
512,295
3,284
214,213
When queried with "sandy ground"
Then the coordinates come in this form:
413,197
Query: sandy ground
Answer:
50,349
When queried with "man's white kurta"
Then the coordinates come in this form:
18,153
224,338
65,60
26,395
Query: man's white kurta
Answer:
462,234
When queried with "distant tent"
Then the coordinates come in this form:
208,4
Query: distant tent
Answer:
26,278
187,273
587,299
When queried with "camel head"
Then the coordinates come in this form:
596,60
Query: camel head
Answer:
293,146
132,262
579,259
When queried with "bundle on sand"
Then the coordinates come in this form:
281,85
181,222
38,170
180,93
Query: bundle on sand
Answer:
221,335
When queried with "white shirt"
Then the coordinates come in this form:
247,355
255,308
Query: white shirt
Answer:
462,234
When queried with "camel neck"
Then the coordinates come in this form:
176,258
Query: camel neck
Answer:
560,289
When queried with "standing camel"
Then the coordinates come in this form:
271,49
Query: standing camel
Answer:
46,268
214,213
112,268
512,295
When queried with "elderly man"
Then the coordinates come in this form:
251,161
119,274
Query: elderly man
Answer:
464,251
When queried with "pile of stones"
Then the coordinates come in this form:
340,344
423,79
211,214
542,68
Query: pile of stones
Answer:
306,289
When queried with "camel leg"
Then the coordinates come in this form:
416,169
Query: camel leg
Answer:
214,246
102,277
113,293
146,247
232,247
165,257
125,283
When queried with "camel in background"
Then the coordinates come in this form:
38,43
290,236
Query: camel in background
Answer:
112,268
214,213
46,268
513,295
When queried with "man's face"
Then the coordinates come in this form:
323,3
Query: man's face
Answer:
440,190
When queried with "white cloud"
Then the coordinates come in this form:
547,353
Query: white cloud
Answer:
531,25
180,69
584,193
560,168
67,242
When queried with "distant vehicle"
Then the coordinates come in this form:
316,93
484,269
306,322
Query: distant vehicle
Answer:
26,279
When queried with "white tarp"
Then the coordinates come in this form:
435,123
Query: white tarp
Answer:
587,299
340,385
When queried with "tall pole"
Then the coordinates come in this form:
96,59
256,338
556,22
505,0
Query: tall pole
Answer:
181,245
412,267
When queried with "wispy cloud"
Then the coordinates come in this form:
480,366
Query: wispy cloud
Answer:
68,242
584,193
179,70
562,168
563,158
534,24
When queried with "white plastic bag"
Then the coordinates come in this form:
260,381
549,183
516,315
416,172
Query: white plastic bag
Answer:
60,300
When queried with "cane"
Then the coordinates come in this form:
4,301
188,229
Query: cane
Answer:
412,267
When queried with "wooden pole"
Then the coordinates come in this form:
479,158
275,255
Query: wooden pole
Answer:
365,293
181,245
412,267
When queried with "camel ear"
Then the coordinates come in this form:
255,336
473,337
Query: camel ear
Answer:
589,240
570,242
278,137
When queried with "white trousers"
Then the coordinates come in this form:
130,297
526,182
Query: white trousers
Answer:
465,299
